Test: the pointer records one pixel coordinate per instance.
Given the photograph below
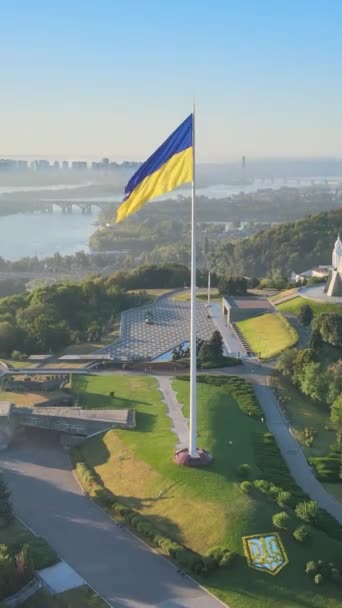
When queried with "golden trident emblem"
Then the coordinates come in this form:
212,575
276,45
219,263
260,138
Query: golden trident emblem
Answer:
265,552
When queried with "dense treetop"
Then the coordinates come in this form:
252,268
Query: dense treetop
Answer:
294,246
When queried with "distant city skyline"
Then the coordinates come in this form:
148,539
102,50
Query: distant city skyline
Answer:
87,80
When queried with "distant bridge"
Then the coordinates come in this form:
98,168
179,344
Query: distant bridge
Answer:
67,205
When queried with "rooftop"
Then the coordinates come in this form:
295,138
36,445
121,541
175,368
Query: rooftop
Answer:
248,302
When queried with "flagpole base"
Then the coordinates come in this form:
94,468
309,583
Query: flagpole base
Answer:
202,458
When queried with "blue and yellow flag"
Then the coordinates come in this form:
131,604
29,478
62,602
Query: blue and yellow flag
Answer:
168,167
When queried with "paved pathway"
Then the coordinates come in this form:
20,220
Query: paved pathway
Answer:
170,328
180,423
290,448
231,340
117,565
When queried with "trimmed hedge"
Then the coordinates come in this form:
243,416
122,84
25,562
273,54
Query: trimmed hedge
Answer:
241,391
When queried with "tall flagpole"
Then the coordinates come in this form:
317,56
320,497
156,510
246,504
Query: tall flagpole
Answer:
193,362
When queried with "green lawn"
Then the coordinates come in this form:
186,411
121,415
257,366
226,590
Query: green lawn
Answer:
23,364
268,335
293,306
201,294
201,508
304,412
82,597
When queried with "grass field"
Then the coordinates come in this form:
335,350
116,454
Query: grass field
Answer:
268,335
82,597
201,508
201,294
293,306
304,412
24,399
154,293
19,364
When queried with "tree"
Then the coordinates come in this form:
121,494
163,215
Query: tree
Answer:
314,381
286,361
204,352
303,357
330,327
232,286
216,346
305,315
5,501
315,340
9,338
336,416
335,381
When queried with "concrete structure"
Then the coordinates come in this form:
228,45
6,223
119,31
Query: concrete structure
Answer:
75,422
171,320
237,308
334,285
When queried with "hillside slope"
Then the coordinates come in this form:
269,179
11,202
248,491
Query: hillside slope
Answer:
293,246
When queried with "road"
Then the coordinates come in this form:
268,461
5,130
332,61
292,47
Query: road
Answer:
116,564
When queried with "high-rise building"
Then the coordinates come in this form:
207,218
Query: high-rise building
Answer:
79,165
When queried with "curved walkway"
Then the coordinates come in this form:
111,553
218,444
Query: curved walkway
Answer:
290,448
115,563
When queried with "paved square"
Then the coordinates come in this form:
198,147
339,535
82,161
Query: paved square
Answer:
171,327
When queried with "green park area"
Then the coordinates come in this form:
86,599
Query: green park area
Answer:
294,305
268,334
206,508
304,415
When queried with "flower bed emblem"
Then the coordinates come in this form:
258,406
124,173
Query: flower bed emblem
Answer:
265,552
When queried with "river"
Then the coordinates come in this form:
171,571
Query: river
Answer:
42,234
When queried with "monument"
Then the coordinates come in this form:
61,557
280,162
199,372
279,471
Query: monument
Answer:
334,285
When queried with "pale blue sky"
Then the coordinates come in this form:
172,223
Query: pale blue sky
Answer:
114,77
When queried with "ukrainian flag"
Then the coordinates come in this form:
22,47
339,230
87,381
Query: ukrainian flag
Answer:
170,166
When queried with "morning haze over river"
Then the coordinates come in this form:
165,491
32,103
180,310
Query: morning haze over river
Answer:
68,233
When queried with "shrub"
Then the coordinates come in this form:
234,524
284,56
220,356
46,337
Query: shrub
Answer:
318,579
281,520
228,560
335,576
224,558
302,533
246,487
308,511
262,485
270,461
42,554
285,499
244,471
103,496
311,567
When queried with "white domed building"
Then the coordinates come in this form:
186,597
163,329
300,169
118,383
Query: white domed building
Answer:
334,285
